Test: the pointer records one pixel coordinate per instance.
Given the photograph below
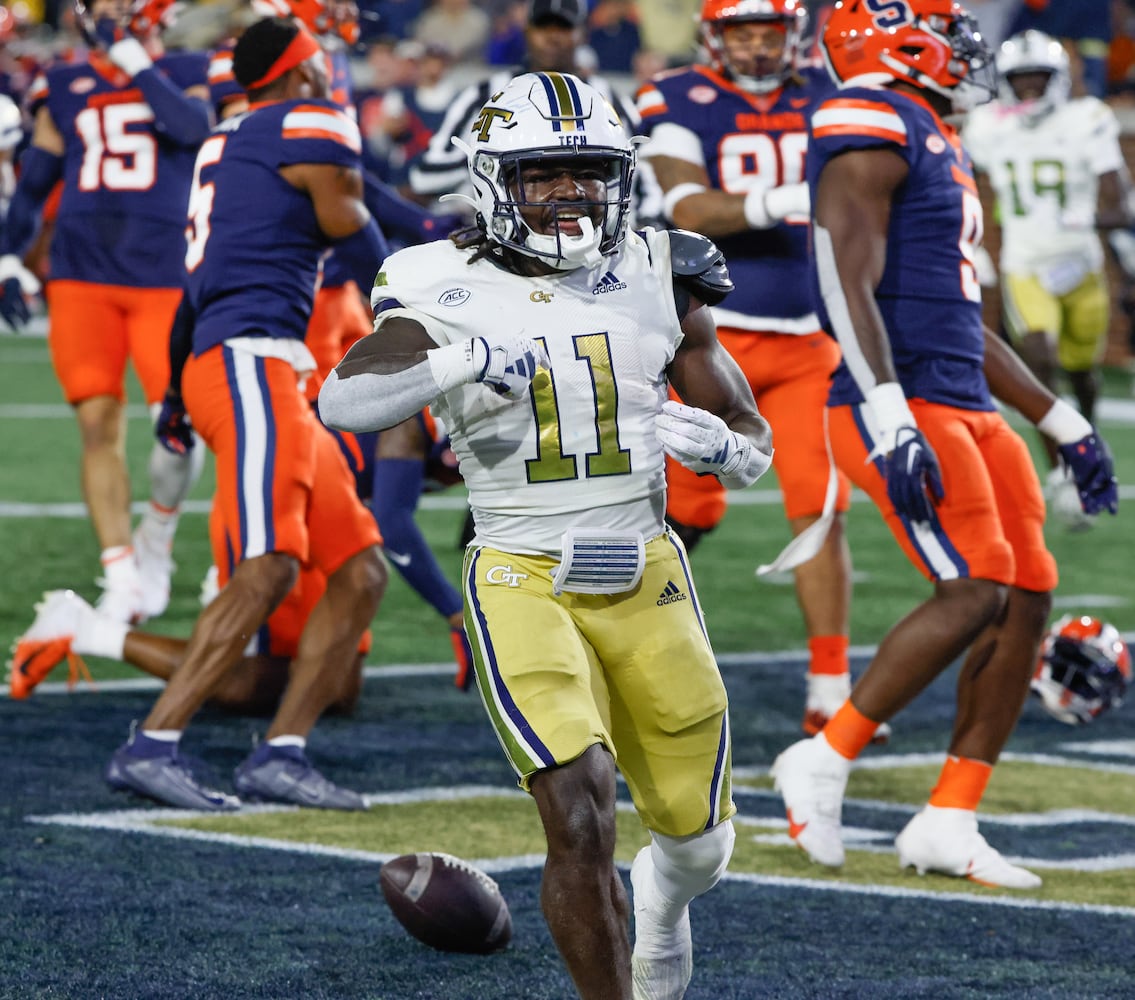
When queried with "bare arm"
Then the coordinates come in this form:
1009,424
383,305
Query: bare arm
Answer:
709,212
705,375
1011,381
337,194
852,217
1111,206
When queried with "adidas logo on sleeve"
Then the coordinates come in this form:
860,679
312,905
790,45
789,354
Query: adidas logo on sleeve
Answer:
670,595
608,283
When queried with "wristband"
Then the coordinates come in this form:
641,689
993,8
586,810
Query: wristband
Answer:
1064,423
130,56
788,199
679,193
756,211
891,411
453,365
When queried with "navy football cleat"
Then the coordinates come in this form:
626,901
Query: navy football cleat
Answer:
165,778
284,774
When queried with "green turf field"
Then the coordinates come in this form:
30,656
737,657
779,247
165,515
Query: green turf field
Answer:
48,544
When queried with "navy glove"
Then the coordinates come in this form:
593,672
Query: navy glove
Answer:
914,481
108,31
1089,460
13,305
173,428
463,654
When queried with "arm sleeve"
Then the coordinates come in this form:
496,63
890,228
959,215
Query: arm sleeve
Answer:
39,171
180,341
363,253
186,120
397,486
407,222
369,401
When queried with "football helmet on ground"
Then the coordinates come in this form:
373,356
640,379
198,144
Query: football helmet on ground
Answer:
542,125
1084,669
717,15
1028,53
932,44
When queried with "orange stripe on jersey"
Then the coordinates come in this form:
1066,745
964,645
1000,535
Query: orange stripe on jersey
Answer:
899,138
310,121
650,101
963,178
855,116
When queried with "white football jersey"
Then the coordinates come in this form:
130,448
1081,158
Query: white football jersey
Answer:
1046,178
581,449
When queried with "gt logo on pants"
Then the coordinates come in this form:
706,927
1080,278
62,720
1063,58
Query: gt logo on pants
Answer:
504,574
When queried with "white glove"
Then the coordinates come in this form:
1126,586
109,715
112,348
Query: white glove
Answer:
984,268
765,207
703,443
12,267
130,56
505,364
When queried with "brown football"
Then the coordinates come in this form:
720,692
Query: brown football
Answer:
446,903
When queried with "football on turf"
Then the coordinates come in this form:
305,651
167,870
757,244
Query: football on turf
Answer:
446,903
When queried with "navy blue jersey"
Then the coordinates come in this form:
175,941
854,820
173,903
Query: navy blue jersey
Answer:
750,141
125,183
255,245
929,295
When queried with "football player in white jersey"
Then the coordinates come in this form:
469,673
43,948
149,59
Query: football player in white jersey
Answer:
546,337
1058,175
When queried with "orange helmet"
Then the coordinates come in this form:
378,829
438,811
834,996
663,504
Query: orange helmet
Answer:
321,17
716,14
933,44
143,19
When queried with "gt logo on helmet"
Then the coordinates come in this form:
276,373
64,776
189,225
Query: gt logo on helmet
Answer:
486,119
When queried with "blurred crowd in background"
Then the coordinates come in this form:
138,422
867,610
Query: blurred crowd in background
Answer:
413,56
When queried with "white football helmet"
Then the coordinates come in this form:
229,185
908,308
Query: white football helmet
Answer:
542,117
1033,52
11,124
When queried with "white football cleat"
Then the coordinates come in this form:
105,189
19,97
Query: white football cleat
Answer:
657,978
811,778
826,694
947,841
121,603
155,567
47,643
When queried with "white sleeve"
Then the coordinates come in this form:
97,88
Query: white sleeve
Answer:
676,141
1102,146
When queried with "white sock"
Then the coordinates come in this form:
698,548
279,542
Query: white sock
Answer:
164,735
119,568
288,741
159,524
98,635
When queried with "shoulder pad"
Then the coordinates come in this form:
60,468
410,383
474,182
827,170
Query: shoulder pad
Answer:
698,266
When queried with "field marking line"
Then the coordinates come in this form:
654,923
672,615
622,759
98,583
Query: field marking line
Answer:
150,822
